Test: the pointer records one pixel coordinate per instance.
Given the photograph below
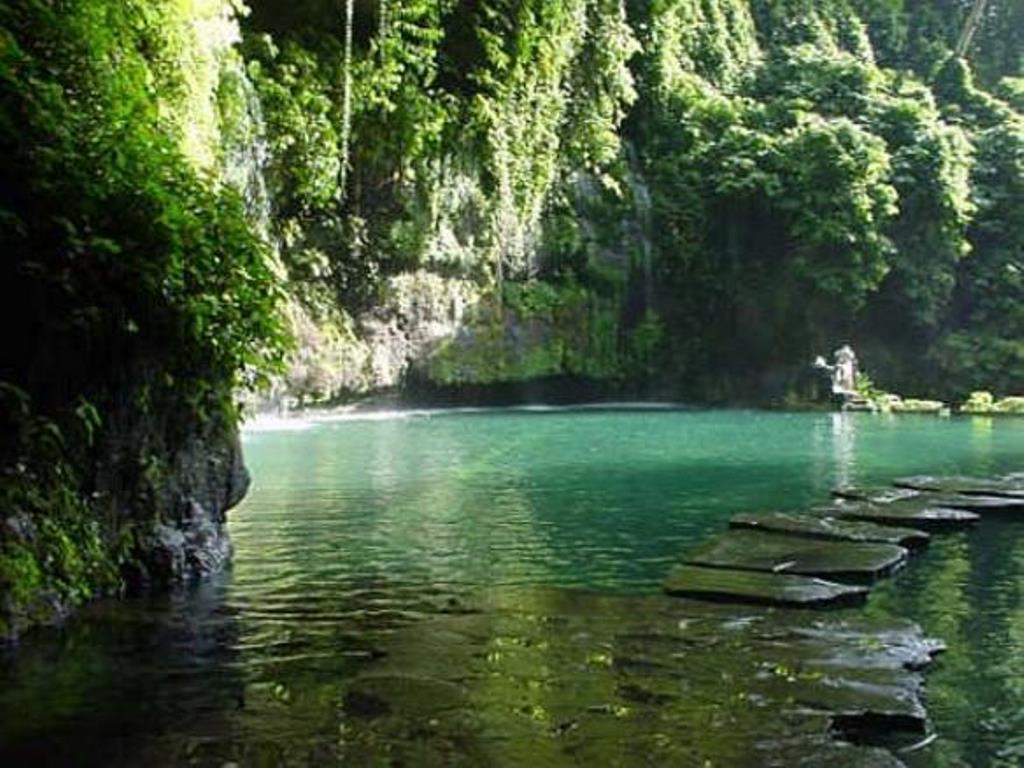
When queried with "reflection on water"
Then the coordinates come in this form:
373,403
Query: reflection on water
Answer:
844,447
969,590
367,542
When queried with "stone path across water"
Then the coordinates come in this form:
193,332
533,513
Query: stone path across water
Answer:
806,560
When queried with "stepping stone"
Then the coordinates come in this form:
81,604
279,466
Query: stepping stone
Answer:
909,496
930,518
876,495
726,586
830,528
979,504
748,550
865,702
959,484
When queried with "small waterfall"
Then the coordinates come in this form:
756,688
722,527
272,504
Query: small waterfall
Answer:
245,149
642,226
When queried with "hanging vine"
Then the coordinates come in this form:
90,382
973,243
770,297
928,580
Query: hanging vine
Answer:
382,19
346,108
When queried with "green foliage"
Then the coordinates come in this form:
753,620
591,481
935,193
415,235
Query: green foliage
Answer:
817,194
867,388
1011,90
644,347
53,546
984,403
983,346
466,122
921,34
715,42
540,329
118,232
301,121
145,280
838,201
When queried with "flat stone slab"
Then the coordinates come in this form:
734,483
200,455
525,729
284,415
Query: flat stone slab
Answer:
824,527
980,504
913,498
960,484
920,515
751,550
876,495
759,588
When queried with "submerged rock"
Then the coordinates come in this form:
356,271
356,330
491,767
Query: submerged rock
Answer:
533,678
977,500
981,504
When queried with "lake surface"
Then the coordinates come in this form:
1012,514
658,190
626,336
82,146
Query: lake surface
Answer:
362,536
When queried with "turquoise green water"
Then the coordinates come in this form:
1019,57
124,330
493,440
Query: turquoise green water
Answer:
597,499
357,529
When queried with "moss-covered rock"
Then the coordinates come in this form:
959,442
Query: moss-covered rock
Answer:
53,553
914,405
983,403
978,402
536,330
329,359
92,506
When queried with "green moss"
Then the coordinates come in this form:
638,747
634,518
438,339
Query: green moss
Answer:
20,575
912,405
1013,405
978,402
985,403
543,329
54,552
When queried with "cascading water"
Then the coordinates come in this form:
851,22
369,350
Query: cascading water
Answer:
642,223
245,149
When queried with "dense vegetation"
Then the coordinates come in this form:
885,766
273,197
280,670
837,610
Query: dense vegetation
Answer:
135,293
733,185
681,197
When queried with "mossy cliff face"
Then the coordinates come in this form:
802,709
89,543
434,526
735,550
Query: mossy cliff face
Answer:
539,330
337,355
769,178
149,512
142,293
438,332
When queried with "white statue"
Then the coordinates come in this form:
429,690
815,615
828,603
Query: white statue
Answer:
843,370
